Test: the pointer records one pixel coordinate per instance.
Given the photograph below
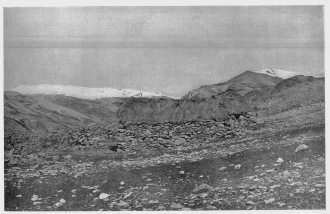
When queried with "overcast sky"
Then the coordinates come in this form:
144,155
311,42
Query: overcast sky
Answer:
171,50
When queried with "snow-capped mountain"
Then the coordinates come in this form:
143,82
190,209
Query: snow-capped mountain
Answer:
278,73
83,92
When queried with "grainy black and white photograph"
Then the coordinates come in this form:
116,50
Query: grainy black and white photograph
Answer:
163,108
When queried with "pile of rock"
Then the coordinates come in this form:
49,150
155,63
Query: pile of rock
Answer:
130,136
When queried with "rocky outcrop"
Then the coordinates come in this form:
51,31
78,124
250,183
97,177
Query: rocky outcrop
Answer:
216,108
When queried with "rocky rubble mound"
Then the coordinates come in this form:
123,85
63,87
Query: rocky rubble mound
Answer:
132,136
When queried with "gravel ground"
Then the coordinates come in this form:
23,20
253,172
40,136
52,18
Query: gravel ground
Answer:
259,171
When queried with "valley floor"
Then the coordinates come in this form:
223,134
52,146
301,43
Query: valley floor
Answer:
242,174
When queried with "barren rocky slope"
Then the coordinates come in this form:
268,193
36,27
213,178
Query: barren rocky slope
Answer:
241,84
101,111
138,110
263,94
290,93
25,114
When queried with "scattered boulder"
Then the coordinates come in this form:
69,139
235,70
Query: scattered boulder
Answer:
269,201
176,206
153,202
128,195
210,207
122,204
250,203
103,196
68,157
113,146
180,141
161,207
301,147
286,174
147,133
203,187
280,160
186,209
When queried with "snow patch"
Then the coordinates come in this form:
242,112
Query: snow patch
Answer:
83,92
278,73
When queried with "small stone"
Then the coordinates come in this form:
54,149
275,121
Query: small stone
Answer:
58,204
185,209
62,201
176,206
161,207
128,195
103,196
274,186
34,198
147,133
269,201
18,196
122,183
286,174
301,147
223,168
210,207
280,160
36,203
153,202
250,203
181,172
238,166
204,195
122,204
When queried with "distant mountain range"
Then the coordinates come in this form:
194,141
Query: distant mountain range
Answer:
83,92
53,107
267,92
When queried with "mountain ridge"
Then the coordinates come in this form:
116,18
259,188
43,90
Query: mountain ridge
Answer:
249,91
83,92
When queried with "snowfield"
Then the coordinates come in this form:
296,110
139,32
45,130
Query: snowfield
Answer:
278,73
83,92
